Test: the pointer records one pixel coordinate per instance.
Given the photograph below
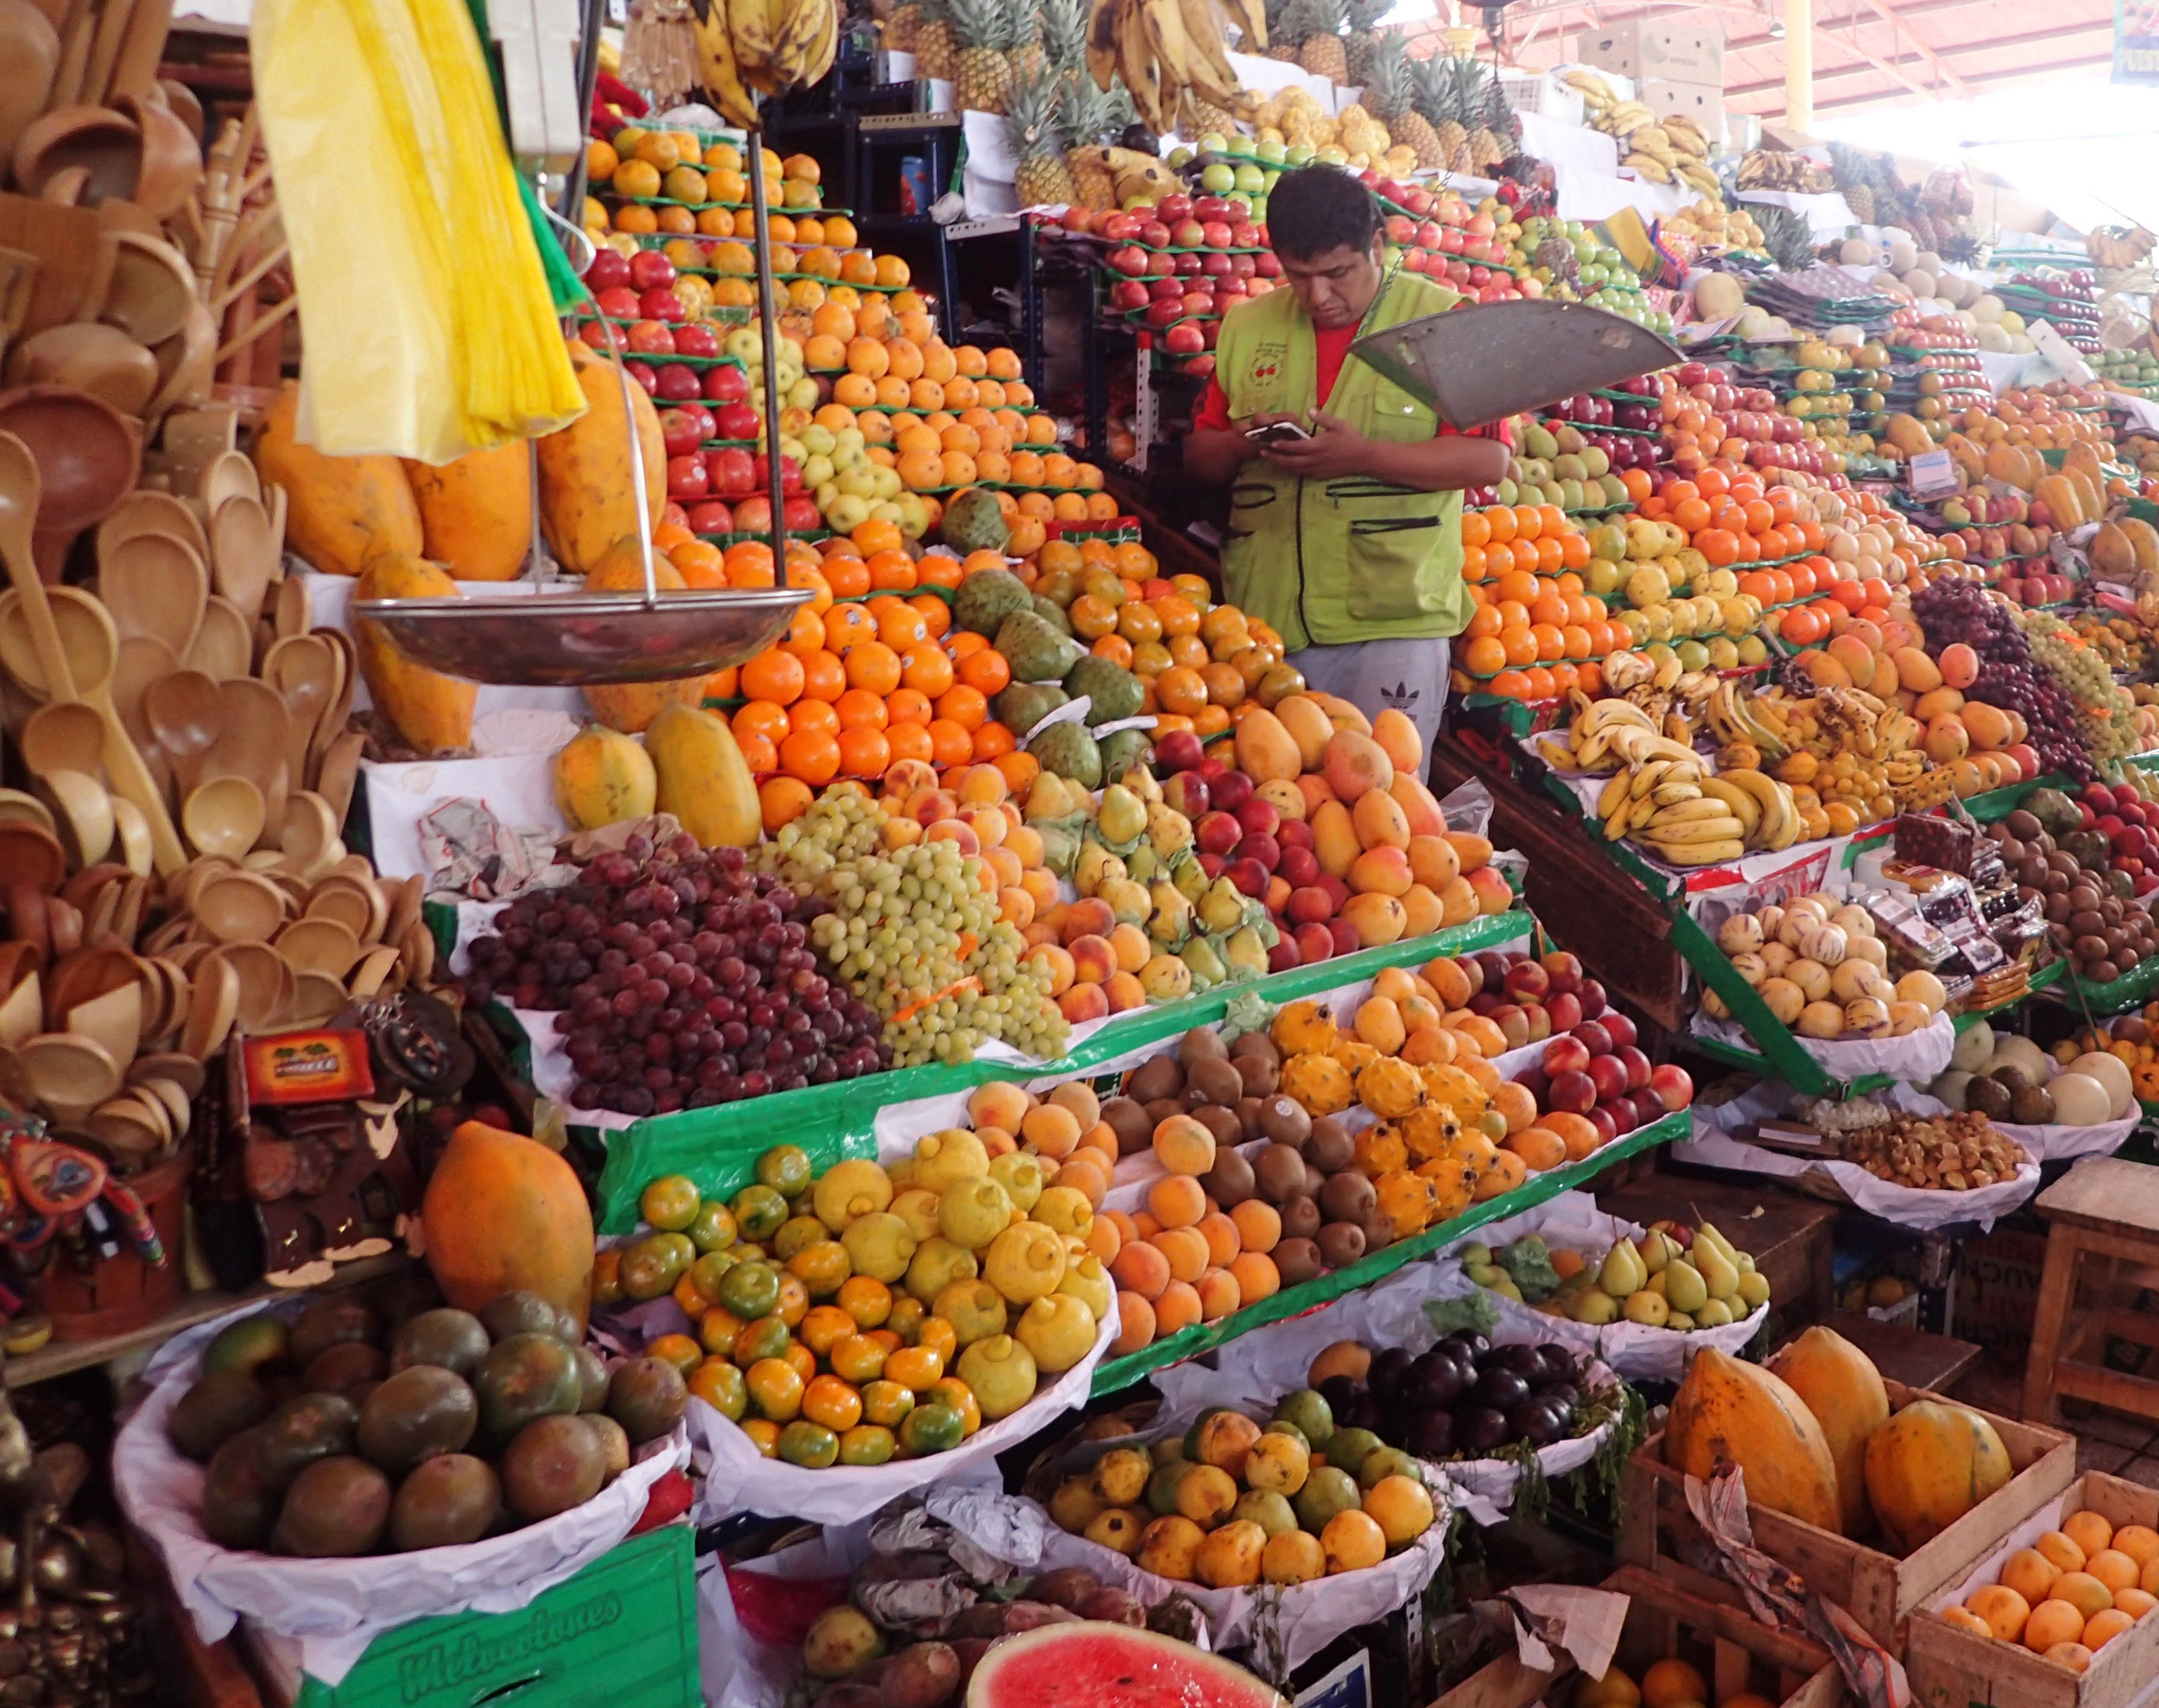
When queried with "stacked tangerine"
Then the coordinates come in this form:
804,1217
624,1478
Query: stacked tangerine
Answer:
1538,633
1733,519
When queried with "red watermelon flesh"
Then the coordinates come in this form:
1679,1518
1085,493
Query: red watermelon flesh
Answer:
1089,1664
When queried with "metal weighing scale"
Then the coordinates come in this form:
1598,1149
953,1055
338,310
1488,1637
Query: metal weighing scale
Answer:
571,639
1482,365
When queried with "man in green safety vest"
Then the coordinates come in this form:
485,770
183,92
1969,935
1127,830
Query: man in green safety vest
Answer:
1346,536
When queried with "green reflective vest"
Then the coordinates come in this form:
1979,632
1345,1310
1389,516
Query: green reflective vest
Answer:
1329,562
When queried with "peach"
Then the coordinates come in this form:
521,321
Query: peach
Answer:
1026,843
1334,840
1379,821
1052,1128
1432,861
1258,1225
1000,1103
1089,916
1419,805
1105,1239
1135,1325
1422,911
1381,872
1186,1251
1016,907
1177,1201
1223,1241
1492,892
990,826
1355,765
995,1142
1377,919
1123,991
1092,959
1057,963
980,785
1255,1276
1101,1137
1144,1270
1219,1295
1083,1002
1081,1173
1177,1308
1183,1145
932,804
954,831
1315,787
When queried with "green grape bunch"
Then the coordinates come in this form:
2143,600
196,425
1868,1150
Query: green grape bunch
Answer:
2106,713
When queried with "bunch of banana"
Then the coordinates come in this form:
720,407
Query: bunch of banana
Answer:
1685,815
2117,246
1738,719
1160,49
1780,169
746,46
1597,96
1608,735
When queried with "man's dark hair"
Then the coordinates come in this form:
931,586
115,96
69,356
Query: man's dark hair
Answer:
1316,208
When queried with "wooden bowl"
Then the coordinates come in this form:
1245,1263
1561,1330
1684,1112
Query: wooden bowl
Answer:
240,907
319,946
215,1000
103,360
18,808
185,1072
82,812
108,144
114,1020
31,854
317,998
152,289
71,1075
267,984
168,158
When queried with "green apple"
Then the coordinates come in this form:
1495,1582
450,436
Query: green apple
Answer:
857,482
1249,178
888,482
1214,143
817,469
1181,156
846,513
803,395
819,440
1218,178
888,511
1270,150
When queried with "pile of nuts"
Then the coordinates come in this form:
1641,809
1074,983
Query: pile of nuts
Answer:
1944,1153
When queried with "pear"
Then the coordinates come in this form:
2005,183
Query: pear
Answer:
1623,1271
1719,1272
1715,1314
1680,1320
1730,1251
1505,1288
1475,1253
1649,1309
1484,1275
1656,1251
1754,1289
1685,1287
1593,1308
1656,1283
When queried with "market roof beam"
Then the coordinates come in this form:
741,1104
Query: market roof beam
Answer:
1594,17
1999,45
1944,73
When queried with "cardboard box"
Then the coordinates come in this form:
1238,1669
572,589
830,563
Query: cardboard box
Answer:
1670,97
1687,46
1998,1291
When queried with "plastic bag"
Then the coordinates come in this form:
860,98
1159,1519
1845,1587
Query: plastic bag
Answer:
431,329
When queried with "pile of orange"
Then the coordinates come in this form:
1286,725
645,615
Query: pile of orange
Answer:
1537,632
1731,519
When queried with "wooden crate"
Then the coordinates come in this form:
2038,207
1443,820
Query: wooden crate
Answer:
1878,1589
1954,1668
1714,1631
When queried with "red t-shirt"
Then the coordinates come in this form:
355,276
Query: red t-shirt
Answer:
1331,348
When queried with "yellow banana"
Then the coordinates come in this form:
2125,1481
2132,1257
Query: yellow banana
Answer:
752,38
1617,820
1741,805
1698,853
1102,41
716,67
803,35
1647,777
1691,831
1697,808
1615,794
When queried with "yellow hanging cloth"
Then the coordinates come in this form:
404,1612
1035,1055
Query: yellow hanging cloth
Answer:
429,332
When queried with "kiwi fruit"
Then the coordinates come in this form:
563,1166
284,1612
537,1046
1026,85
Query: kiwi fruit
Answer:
1201,1043
1213,1079
1255,1044
1301,1216
1341,1243
1330,1147
1248,1119
1159,1077
1314,1178
1296,1260
1279,1173
1379,1228
1231,1180
1347,1197
1260,1074
1128,1119
1158,1109
1285,1121
1220,1121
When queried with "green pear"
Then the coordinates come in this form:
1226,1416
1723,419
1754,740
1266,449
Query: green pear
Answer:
1680,1320
1744,1262
1505,1288
1623,1271
1475,1253
1593,1307
1484,1275
1656,1249
1685,1286
1754,1288
1719,1272
1649,1309
1715,1314
1656,1283
1725,1247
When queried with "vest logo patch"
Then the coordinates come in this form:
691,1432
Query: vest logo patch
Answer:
1266,364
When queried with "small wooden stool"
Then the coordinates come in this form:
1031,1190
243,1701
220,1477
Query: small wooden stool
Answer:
2107,1209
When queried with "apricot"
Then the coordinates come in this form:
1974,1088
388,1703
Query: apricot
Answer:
1076,1097
2089,1531
1183,1145
1186,1251
1257,1278
1223,1241
1135,1325
998,1104
2053,1622
1258,1224
2112,1568
1177,1201
1219,1295
1141,1269
2003,1610
2103,1627
1177,1308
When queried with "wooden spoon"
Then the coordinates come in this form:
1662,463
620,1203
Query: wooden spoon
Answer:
305,669
228,475
339,712
251,735
141,661
224,647
146,511
64,735
21,489
186,712
91,650
225,816
339,772
155,586
242,553
290,614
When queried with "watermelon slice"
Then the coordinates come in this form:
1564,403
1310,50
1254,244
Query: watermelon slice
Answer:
1088,1664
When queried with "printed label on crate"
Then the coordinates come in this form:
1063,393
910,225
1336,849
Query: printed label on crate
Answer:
1349,1685
469,1657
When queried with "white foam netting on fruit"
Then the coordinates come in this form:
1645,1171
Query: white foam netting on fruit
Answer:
1715,1144
1271,1362
334,1608
739,1478
1917,1055
1635,1350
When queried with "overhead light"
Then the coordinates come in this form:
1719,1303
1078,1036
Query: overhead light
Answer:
1776,29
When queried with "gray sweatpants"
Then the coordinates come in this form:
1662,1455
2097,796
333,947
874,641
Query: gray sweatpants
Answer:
1411,676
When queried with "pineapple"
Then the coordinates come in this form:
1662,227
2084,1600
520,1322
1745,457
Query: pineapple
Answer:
1065,35
1087,113
1439,97
982,30
1285,22
1854,169
1499,118
902,28
1032,112
936,49
1393,96
1323,53
1364,24
1479,90
1202,118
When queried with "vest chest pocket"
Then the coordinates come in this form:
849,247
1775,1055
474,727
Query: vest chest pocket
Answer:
1388,559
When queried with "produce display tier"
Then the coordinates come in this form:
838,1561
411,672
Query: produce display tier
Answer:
718,1148
1119,1373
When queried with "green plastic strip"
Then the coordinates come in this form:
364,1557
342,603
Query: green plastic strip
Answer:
718,1148
1292,1301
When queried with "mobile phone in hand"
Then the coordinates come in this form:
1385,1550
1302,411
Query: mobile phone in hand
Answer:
1277,433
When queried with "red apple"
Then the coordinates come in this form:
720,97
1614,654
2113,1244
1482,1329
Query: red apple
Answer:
1315,942
1231,790
711,517
1185,339
1565,1009
610,270
1299,866
675,384
1178,752
1619,1028
1610,1075
1590,995
1216,832
1346,940
1672,1084
1259,846
686,478
651,270
1248,875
